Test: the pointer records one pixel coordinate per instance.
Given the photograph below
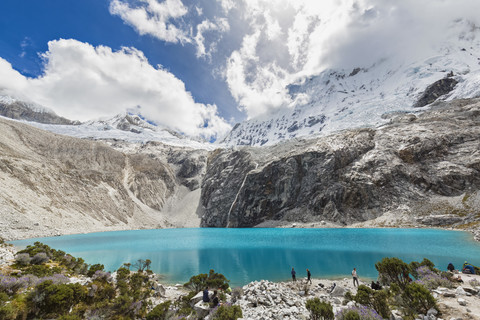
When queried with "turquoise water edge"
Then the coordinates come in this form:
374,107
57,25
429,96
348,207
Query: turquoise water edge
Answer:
245,255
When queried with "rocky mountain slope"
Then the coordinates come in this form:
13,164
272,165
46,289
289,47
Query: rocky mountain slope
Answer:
425,167
14,109
53,184
426,164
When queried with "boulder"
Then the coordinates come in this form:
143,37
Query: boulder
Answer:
460,291
202,309
338,292
462,302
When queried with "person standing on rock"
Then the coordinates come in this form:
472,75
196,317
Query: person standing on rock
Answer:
293,275
355,277
309,275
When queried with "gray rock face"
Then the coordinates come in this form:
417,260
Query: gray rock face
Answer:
351,176
51,182
435,91
21,111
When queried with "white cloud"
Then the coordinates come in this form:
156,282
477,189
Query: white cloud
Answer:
153,18
84,82
214,33
286,40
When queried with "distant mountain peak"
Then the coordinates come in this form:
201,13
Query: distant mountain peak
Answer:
338,99
20,110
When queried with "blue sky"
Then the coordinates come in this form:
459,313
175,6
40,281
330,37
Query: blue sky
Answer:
198,66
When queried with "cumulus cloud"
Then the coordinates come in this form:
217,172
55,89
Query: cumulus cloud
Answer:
163,20
153,17
213,32
84,82
288,40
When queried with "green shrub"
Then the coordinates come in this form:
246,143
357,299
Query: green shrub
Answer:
319,310
39,270
393,270
351,315
70,317
160,312
94,268
183,305
39,258
212,280
228,313
49,299
414,265
22,259
416,299
377,300
358,313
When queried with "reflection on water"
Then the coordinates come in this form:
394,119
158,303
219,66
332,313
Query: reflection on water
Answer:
244,255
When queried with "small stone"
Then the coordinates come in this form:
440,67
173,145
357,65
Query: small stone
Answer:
432,311
460,291
462,302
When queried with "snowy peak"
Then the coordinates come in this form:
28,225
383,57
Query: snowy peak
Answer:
123,127
364,96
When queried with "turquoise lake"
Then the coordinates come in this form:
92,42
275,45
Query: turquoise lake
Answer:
245,255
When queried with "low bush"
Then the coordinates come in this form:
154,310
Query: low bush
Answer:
94,268
393,271
210,280
52,300
319,310
431,279
416,299
182,305
358,313
375,299
23,259
39,258
160,312
226,312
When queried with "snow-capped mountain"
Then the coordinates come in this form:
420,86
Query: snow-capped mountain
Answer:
338,99
125,127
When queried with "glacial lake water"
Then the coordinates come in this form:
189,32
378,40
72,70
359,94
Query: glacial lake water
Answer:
245,255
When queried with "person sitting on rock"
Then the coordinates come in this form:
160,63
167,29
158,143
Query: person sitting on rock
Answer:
376,286
214,299
450,267
205,298
467,268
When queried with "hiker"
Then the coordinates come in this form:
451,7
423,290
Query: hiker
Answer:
214,299
376,286
450,267
330,290
467,268
293,275
355,278
309,275
205,298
